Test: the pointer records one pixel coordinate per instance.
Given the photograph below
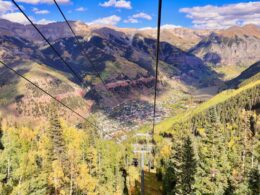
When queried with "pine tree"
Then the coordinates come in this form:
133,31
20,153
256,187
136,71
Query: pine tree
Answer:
254,182
230,190
57,156
188,167
213,167
246,142
169,180
255,148
56,137
177,161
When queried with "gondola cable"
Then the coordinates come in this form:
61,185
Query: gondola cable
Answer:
157,64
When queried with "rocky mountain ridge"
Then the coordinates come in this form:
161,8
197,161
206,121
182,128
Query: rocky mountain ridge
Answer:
107,48
236,46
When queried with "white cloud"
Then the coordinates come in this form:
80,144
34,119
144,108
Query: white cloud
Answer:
81,9
142,15
43,1
111,20
15,17
217,17
117,3
165,26
131,20
134,18
147,28
45,21
170,26
5,6
18,17
37,11
8,12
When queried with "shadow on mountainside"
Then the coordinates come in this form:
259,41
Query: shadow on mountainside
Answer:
9,83
110,46
126,64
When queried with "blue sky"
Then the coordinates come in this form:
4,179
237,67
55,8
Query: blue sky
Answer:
141,13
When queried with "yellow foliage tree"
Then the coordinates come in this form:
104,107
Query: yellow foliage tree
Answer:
85,182
57,177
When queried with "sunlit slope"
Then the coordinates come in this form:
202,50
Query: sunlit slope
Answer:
247,76
21,99
227,104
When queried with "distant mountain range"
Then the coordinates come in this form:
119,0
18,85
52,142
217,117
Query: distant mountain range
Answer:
124,58
120,56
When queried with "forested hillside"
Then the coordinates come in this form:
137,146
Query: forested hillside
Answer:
213,149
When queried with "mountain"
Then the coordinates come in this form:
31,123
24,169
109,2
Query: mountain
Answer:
52,31
20,99
230,50
182,38
124,58
249,75
113,44
111,51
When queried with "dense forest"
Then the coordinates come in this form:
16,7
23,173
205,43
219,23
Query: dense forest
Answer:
215,148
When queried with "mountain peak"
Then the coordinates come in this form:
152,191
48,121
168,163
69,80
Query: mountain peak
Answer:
247,30
251,26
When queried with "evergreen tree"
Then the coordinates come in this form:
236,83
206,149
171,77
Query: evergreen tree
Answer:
255,149
183,163
177,160
57,155
213,167
93,133
254,182
230,190
246,139
188,167
56,137
169,180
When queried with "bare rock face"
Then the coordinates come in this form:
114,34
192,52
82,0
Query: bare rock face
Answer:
236,46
